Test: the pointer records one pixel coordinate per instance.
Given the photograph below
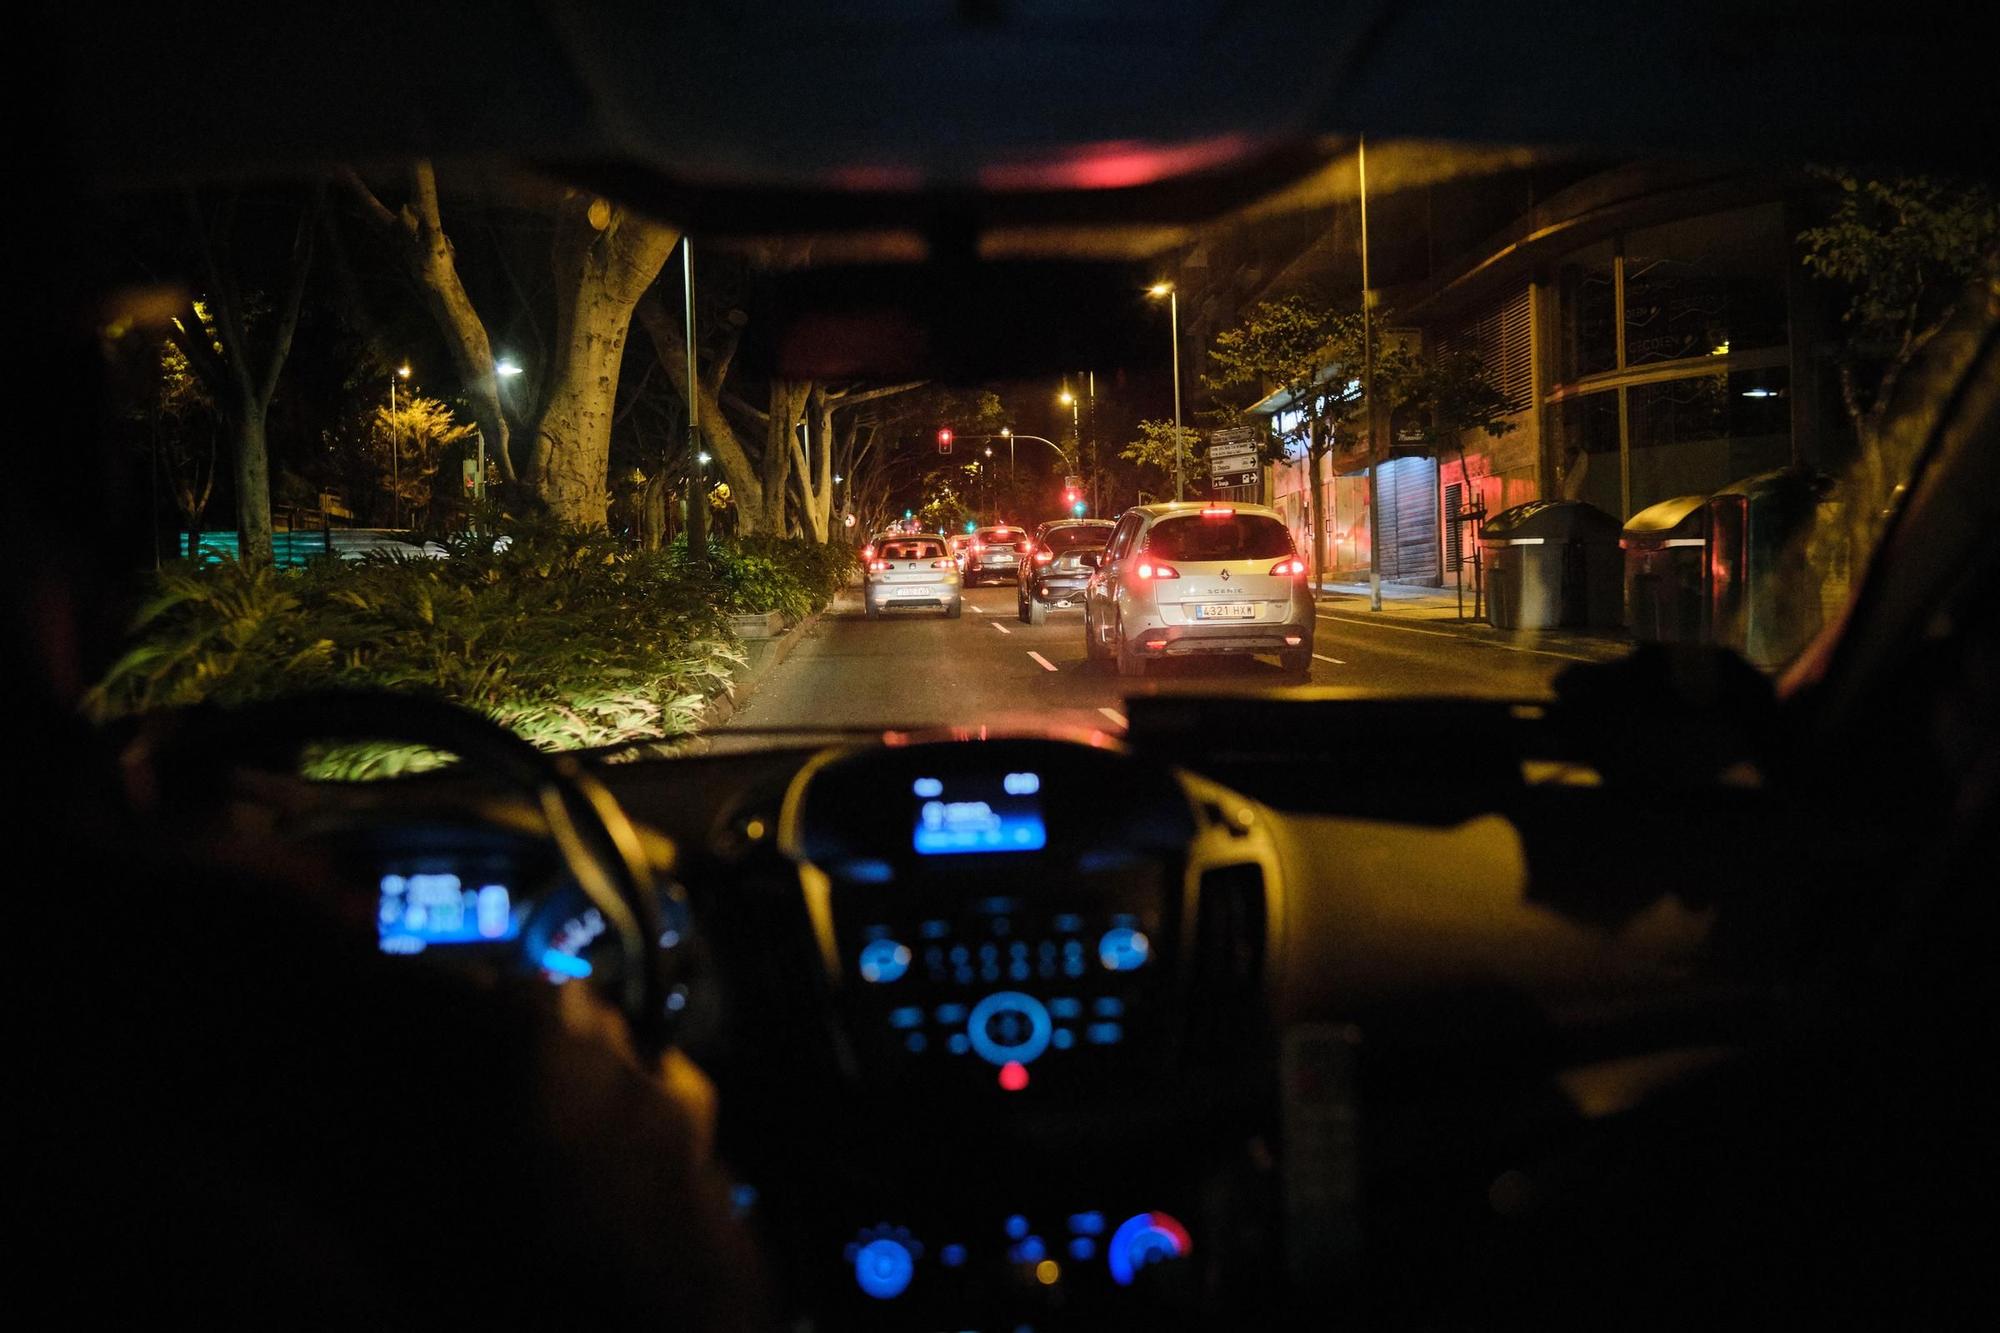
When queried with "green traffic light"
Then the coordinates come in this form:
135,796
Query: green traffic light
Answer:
909,513
1077,509
970,526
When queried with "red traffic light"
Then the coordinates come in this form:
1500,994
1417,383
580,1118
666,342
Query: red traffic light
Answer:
944,439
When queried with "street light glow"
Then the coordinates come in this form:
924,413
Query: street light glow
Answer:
507,368
403,371
1065,397
702,458
1006,432
1159,289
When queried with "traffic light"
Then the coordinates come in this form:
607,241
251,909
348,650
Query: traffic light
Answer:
1077,508
944,439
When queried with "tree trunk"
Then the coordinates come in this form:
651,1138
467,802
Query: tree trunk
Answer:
605,258
254,545
788,403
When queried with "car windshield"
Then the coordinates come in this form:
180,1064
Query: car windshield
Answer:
1221,535
1066,537
1599,399
910,551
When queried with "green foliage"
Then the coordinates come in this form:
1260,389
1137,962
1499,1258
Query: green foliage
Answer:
1155,449
564,635
1901,245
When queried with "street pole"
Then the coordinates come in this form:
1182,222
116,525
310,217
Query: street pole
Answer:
395,478
1368,391
1174,341
697,489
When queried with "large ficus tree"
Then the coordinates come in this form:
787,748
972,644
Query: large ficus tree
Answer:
603,258
1906,250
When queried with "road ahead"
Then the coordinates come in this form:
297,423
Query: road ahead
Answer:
918,669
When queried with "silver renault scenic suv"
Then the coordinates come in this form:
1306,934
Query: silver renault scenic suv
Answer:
1198,577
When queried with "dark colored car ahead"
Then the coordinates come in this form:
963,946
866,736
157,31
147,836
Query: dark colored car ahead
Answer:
1051,576
994,555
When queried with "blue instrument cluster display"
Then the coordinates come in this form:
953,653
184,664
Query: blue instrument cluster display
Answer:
983,813
422,909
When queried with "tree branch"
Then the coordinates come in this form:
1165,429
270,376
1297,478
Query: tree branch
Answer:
288,318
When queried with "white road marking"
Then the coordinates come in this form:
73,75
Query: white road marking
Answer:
977,607
1116,716
1444,634
997,625
1324,658
1046,664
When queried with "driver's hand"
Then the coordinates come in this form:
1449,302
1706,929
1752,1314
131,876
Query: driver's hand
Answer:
587,1017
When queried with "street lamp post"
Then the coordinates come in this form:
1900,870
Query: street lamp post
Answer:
1173,296
395,452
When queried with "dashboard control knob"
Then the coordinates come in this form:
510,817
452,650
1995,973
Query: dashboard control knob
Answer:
1008,1027
1147,1238
884,961
883,1268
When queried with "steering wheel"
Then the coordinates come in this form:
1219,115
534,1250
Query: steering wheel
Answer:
191,750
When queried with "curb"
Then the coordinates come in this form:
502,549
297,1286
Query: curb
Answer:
724,705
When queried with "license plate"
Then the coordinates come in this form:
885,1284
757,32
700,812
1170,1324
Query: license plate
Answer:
916,592
1225,611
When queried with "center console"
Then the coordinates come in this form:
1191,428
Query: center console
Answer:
1008,932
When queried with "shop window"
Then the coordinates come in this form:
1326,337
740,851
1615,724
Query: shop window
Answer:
1589,305
1698,435
1589,450
1705,286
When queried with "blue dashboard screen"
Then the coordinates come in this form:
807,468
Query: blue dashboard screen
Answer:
419,910
983,813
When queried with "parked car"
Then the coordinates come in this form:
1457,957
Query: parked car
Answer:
1053,575
1194,578
910,572
994,555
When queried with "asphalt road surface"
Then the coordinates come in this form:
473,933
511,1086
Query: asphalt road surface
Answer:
916,669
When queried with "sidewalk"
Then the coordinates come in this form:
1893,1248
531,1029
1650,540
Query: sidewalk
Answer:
1437,609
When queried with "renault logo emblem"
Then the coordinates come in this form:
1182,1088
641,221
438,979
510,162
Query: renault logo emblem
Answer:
1225,575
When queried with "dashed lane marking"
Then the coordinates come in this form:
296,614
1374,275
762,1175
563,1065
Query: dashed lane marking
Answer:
1324,658
1116,716
1046,664
997,625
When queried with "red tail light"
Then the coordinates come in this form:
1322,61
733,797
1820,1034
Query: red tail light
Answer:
944,564
1287,568
1043,557
1218,513
1153,569
868,551
877,566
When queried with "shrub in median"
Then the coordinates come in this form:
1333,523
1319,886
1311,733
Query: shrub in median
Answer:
564,635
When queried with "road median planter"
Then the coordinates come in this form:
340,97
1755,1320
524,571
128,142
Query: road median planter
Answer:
757,625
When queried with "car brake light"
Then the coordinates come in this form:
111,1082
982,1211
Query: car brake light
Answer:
877,566
944,564
1217,513
1149,569
1043,557
868,551
1289,567
978,547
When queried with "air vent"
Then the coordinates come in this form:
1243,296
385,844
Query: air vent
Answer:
1226,996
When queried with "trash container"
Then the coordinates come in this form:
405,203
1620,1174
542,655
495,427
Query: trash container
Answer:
1666,571
1550,564
1762,599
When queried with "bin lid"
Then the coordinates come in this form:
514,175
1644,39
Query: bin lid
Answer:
1685,517
1550,520
1784,484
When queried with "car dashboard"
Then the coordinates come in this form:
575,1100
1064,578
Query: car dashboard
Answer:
1026,1032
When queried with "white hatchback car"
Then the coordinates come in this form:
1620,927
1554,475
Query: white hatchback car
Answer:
1198,578
912,572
